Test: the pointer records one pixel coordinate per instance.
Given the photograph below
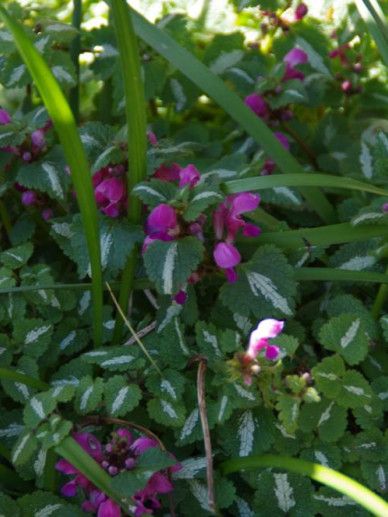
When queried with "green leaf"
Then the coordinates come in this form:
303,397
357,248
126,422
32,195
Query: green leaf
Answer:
328,375
380,387
288,408
355,390
346,335
14,258
112,358
34,335
265,286
61,115
38,409
376,475
166,412
171,386
89,394
24,448
328,419
8,506
154,192
155,459
53,432
169,264
121,397
41,504
203,196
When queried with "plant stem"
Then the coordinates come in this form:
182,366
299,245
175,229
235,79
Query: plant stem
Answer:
381,296
74,54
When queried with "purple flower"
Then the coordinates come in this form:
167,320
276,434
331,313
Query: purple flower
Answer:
269,165
227,216
29,198
152,138
37,139
258,339
283,140
162,222
257,104
385,207
168,172
301,11
110,190
226,256
293,58
189,176
47,214
4,117
181,297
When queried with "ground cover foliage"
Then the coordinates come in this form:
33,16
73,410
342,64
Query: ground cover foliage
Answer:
228,166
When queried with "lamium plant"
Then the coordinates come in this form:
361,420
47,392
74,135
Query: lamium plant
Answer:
193,263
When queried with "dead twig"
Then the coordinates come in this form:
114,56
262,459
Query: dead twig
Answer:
141,333
201,395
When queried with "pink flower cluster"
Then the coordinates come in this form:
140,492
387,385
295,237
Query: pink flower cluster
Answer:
227,221
258,342
350,68
119,455
110,190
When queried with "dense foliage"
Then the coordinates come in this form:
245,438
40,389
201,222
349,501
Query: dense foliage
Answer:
249,258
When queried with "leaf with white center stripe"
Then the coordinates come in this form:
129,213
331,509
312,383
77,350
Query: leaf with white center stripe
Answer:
380,387
15,258
120,397
166,412
325,454
173,347
326,417
38,409
89,394
281,493
330,502
355,392
208,341
265,286
346,334
190,468
24,448
34,335
328,374
170,386
47,504
288,408
376,475
191,429
169,264
202,197
155,192
113,358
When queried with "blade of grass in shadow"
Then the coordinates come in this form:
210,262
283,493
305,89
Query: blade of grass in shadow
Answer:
213,86
376,25
296,180
137,145
320,236
327,274
329,477
64,123
74,54
7,374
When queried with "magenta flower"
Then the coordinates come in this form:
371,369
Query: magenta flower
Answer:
168,172
29,198
118,455
152,138
301,11
189,176
162,222
293,58
258,339
347,87
227,216
257,104
385,207
110,190
4,117
47,214
226,256
269,165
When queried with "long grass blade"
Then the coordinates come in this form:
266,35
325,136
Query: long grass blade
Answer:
137,145
327,274
329,477
75,50
320,236
213,86
376,25
64,123
7,374
298,180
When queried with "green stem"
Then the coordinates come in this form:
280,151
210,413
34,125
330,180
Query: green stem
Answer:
75,50
5,219
329,477
11,375
135,110
381,296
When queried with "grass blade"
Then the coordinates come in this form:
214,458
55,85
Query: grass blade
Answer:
320,236
327,274
64,123
12,375
213,86
375,24
137,145
297,180
75,50
329,477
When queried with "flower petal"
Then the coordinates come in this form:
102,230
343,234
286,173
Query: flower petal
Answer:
226,255
296,56
109,509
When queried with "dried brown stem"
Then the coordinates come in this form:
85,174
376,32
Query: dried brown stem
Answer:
141,333
201,395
